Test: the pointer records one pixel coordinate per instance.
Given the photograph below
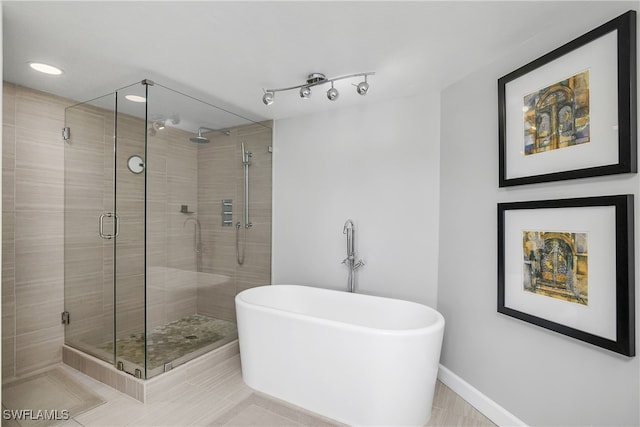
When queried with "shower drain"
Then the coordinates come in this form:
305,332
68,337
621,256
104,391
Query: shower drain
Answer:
191,337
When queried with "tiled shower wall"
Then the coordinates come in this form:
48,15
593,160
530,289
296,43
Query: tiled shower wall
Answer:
171,259
32,230
179,173
222,157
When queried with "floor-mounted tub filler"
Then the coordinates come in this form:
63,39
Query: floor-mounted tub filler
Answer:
359,359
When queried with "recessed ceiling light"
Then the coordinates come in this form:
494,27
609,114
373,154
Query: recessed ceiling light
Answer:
136,98
45,68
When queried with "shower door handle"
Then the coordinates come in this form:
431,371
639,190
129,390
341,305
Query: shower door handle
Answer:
116,225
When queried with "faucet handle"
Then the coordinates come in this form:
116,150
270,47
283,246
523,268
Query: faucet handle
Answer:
358,264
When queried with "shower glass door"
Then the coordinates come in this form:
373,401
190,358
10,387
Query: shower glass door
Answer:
88,196
104,231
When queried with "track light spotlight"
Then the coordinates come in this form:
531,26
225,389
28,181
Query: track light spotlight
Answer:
332,93
316,79
305,92
363,87
158,124
268,98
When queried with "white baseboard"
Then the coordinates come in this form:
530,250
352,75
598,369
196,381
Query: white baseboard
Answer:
482,403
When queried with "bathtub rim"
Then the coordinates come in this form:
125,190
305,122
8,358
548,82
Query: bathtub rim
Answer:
436,327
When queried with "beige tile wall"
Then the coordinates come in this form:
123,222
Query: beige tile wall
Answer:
171,259
32,222
8,226
88,300
220,176
256,270
129,253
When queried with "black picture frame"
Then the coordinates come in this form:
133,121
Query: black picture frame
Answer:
514,167
515,300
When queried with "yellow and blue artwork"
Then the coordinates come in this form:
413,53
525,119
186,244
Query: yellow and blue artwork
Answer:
555,264
557,116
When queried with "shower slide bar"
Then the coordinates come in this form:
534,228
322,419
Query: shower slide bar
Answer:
246,161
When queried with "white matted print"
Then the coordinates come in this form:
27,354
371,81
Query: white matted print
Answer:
553,301
557,81
571,113
567,265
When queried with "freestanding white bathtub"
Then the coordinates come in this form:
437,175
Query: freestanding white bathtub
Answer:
359,359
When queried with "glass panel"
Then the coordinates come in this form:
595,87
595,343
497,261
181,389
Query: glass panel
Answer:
88,267
194,163
130,243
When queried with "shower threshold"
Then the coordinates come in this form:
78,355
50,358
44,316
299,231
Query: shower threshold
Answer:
144,390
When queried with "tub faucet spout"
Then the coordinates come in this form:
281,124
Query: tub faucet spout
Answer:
350,260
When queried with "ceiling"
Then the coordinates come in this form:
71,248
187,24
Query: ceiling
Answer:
226,52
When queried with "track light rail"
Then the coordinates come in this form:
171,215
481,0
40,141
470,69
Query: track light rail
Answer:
317,79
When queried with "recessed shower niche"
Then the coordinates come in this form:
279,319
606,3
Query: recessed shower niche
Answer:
148,284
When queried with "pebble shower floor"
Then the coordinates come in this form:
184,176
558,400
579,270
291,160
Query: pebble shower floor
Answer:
173,340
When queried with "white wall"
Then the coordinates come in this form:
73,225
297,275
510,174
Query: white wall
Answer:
376,164
379,164
542,377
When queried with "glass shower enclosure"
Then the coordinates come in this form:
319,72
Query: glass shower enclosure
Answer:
155,188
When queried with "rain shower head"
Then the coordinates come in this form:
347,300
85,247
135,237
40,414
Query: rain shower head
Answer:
199,139
202,139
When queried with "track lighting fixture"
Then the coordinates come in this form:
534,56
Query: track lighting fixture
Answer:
156,125
316,79
362,87
159,124
305,92
268,97
332,93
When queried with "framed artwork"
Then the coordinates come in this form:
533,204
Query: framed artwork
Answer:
572,112
568,266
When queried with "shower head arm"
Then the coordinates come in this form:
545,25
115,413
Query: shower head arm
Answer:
204,129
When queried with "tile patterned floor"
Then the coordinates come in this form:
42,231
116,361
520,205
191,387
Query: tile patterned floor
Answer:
219,398
50,390
258,409
449,409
